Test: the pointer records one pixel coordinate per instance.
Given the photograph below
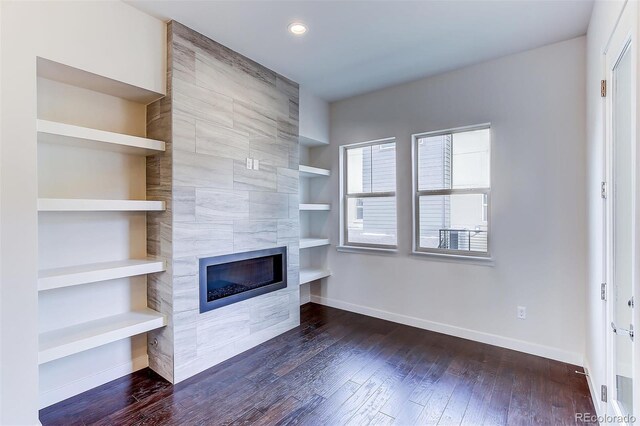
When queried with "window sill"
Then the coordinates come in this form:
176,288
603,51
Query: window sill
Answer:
474,260
366,250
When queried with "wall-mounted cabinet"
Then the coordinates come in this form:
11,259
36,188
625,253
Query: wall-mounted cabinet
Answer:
92,229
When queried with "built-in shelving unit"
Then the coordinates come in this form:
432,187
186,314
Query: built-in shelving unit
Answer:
315,207
312,225
84,205
308,275
93,158
68,134
313,242
49,279
313,172
81,337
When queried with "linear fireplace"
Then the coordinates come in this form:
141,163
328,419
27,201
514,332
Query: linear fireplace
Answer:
234,277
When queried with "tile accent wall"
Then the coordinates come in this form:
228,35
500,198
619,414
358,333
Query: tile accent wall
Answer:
220,109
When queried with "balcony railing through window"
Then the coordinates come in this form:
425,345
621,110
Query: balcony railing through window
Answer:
463,239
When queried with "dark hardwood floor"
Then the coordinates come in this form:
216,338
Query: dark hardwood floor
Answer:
344,368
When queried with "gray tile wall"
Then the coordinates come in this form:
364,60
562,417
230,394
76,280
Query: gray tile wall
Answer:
220,109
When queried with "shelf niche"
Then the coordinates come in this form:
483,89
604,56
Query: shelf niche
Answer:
308,275
313,172
84,137
92,157
85,205
49,279
71,340
314,207
313,242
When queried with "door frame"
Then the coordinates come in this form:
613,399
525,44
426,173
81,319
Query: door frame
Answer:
623,36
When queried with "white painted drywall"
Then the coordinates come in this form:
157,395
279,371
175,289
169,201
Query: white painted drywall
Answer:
603,19
108,38
314,116
535,101
1,106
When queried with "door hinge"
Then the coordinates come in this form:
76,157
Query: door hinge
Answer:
603,291
603,393
603,88
603,190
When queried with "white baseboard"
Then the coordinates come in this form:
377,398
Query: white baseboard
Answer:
52,396
595,396
465,333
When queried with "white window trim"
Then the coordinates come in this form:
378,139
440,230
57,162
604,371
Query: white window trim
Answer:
344,244
367,250
443,253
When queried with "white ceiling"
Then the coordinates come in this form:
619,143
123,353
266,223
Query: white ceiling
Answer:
353,47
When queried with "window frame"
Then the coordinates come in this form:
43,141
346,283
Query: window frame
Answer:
344,195
460,254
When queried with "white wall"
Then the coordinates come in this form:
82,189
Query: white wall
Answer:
536,103
603,19
108,38
1,115
314,116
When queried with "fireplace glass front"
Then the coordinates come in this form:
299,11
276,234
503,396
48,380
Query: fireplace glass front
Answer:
231,278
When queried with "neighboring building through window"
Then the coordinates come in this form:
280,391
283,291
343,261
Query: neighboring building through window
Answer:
452,191
369,194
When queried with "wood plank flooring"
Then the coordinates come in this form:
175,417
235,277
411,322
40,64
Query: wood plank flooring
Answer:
343,368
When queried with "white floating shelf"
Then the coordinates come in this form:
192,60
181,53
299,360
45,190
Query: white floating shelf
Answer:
49,279
67,134
84,205
71,340
315,207
313,242
305,141
311,274
313,172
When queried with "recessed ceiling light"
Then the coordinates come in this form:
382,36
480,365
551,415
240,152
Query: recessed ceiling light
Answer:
297,28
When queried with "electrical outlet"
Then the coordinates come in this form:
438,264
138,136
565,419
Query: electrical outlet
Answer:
249,163
522,312
256,164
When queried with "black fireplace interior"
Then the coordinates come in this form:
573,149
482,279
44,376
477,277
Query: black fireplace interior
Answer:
231,278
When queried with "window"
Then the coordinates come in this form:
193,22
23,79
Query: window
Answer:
452,191
369,194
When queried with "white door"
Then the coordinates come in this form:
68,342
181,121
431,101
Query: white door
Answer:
622,218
